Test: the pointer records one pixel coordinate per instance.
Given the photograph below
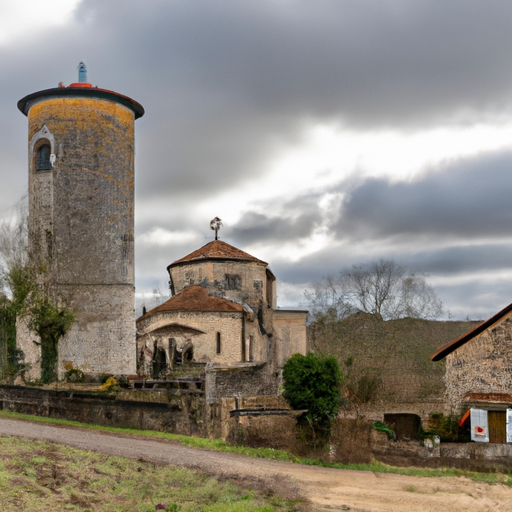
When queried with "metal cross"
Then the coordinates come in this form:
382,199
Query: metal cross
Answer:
215,225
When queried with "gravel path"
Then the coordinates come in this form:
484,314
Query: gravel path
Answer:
326,489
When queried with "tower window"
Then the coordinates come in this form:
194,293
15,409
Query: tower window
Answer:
43,158
218,343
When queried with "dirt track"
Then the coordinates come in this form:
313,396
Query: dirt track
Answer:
326,489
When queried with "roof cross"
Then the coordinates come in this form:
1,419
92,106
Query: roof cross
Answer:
215,225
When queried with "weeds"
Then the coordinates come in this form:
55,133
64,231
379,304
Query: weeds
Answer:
41,476
382,427
447,428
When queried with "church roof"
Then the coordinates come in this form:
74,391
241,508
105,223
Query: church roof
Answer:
194,298
217,250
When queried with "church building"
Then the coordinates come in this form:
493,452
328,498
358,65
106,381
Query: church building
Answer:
222,311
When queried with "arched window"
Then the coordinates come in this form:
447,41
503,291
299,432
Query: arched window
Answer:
43,158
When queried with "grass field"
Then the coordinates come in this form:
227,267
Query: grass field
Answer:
39,476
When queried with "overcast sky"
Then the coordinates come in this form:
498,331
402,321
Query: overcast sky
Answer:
323,133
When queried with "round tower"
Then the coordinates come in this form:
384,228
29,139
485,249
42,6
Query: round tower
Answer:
81,217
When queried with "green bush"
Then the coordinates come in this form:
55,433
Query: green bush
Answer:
312,382
382,427
446,427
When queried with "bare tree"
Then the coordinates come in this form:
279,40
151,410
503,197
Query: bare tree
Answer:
383,288
329,299
14,241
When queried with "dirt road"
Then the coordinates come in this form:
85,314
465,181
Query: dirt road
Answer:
326,489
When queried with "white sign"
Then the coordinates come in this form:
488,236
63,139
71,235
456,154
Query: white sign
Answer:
479,426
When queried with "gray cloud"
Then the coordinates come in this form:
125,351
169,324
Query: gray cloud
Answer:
466,259
469,198
227,84
300,217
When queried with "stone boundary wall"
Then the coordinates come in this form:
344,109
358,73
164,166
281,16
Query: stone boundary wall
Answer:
178,414
376,411
242,380
355,441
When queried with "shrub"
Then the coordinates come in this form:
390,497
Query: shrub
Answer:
382,427
312,382
446,427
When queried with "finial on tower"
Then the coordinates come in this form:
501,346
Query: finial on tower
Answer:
215,225
82,72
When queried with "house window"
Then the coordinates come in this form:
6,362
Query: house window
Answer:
43,158
218,344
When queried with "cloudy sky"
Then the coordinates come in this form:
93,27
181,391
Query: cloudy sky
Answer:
323,133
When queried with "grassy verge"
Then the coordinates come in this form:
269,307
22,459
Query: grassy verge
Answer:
269,453
379,467
41,476
196,442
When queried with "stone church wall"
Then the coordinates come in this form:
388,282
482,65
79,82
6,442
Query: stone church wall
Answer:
208,324
241,281
290,331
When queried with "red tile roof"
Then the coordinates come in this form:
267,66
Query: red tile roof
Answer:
489,397
217,250
473,333
194,298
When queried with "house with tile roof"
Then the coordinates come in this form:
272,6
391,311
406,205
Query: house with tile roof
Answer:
478,375
223,314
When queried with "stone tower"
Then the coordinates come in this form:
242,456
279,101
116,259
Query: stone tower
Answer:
81,218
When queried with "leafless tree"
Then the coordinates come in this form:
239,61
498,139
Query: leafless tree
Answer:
328,299
14,239
383,288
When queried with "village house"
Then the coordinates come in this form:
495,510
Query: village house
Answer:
479,375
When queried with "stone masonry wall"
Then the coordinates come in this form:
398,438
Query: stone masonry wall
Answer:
290,331
81,219
92,189
240,281
98,342
242,380
218,277
208,324
482,365
176,414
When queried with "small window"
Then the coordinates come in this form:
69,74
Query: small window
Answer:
218,343
43,158
251,348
